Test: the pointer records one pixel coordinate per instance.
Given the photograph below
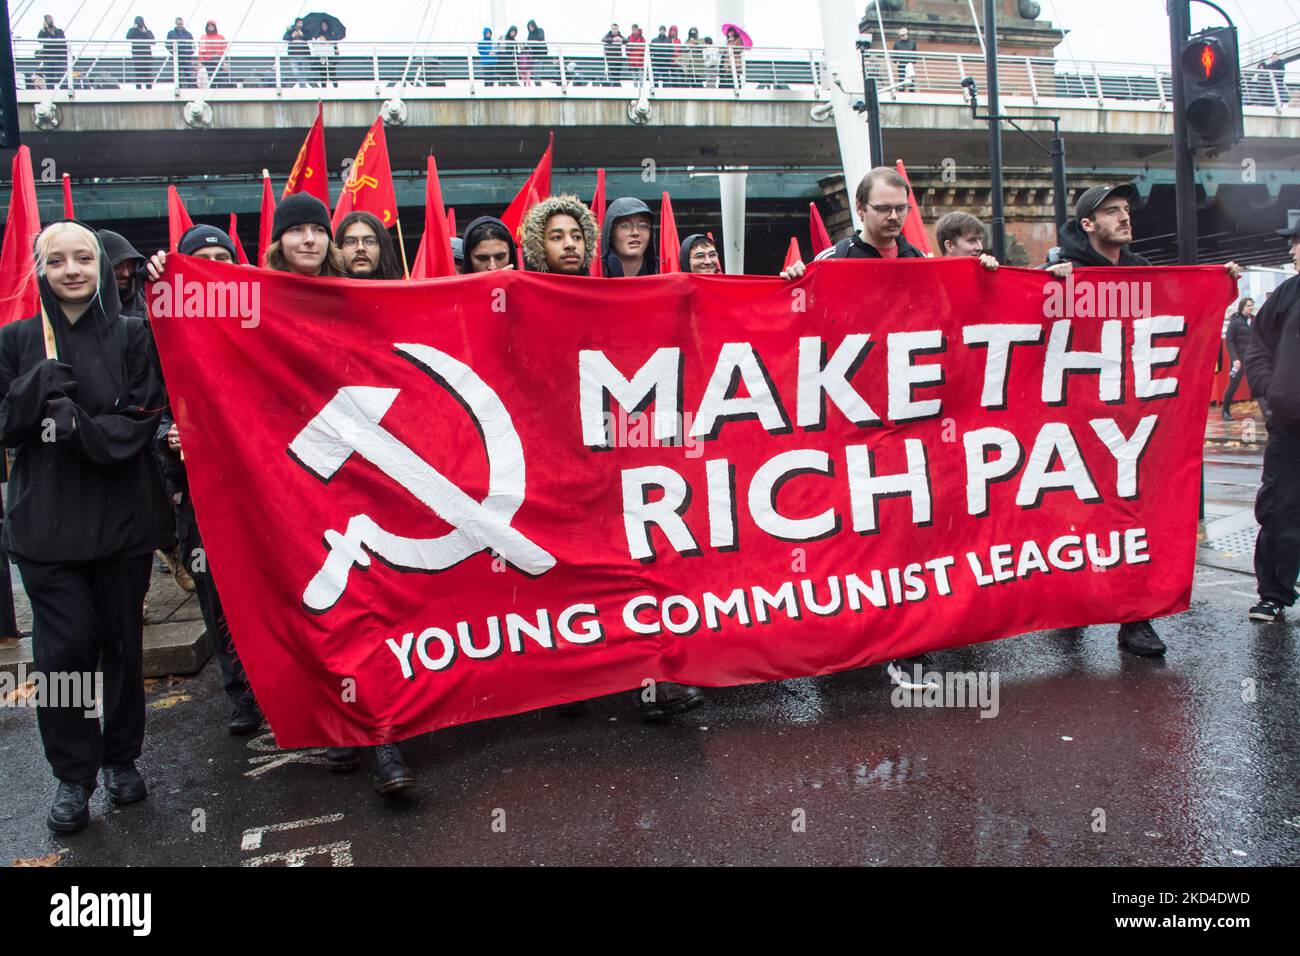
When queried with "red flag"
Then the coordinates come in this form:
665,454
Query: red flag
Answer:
369,186
913,227
526,594
310,173
19,295
434,258
598,210
821,239
178,220
451,222
240,256
67,198
793,254
538,186
669,245
267,220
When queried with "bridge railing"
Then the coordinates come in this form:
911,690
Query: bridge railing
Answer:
125,65
1039,78
150,70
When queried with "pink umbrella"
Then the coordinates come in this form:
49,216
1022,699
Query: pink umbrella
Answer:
745,41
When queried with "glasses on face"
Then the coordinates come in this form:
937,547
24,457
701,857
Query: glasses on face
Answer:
630,226
351,242
884,209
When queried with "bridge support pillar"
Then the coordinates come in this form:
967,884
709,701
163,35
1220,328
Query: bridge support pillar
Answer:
731,188
840,32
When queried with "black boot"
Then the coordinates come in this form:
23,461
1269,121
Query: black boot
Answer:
1140,638
391,771
124,784
70,811
245,719
669,700
343,758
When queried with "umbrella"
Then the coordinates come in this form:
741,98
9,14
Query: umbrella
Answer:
311,24
745,41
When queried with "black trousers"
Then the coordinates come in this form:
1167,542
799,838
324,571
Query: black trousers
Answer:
1277,509
1233,383
192,554
83,615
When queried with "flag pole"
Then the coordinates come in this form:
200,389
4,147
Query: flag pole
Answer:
401,244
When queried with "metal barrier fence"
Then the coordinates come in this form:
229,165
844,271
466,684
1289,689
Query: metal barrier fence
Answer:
127,66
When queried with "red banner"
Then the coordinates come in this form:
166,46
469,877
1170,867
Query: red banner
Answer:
427,503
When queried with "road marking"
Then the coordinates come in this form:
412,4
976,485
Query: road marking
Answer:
252,838
340,854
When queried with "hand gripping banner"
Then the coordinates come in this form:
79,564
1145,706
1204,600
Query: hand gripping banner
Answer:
426,503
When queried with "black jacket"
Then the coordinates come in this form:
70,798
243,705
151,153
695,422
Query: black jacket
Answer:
118,249
472,238
141,48
1237,337
84,485
1273,357
855,248
180,42
1076,248
621,209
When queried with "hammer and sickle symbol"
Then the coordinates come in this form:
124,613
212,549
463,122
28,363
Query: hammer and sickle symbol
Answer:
350,423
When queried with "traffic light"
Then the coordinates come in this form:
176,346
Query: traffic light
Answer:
1212,89
8,92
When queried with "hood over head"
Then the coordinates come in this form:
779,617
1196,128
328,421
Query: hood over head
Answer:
688,244
620,209
534,245
474,235
117,248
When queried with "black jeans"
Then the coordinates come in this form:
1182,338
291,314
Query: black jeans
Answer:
1277,509
190,551
1233,384
83,614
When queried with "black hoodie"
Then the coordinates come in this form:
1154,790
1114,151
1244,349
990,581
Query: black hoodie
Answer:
684,255
621,209
1076,248
92,493
119,250
1273,358
471,239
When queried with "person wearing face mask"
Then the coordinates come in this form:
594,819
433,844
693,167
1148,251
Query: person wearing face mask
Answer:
85,509
368,250
488,246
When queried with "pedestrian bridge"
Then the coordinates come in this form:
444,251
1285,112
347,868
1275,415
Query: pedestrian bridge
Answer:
474,111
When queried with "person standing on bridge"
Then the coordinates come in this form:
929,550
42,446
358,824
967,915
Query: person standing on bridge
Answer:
904,48
1273,369
1237,340
212,55
368,250
141,53
487,58
1099,235
53,53
613,42
85,511
636,54
299,52
180,44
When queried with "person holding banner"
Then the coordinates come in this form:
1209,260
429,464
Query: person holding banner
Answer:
368,250
203,242
86,509
559,236
699,254
488,246
628,239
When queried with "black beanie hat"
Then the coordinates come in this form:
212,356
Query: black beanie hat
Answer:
199,237
297,210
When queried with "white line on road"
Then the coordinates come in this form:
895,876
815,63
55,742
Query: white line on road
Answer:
340,854
252,838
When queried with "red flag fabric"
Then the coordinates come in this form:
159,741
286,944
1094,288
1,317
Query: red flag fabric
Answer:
451,222
913,226
470,522
669,245
535,188
792,254
598,210
310,173
369,186
68,212
178,219
267,220
434,258
240,256
19,294
821,239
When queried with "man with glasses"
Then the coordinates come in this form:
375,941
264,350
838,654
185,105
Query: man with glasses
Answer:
883,202
699,254
368,251
627,241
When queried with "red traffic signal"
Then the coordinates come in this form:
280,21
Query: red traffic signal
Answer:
1204,61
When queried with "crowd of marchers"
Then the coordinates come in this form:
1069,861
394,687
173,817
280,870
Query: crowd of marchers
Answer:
99,477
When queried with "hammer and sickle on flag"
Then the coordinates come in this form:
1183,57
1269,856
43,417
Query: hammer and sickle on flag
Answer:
350,423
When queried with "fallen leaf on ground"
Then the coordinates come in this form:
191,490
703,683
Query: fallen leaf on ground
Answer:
21,692
171,700
50,859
